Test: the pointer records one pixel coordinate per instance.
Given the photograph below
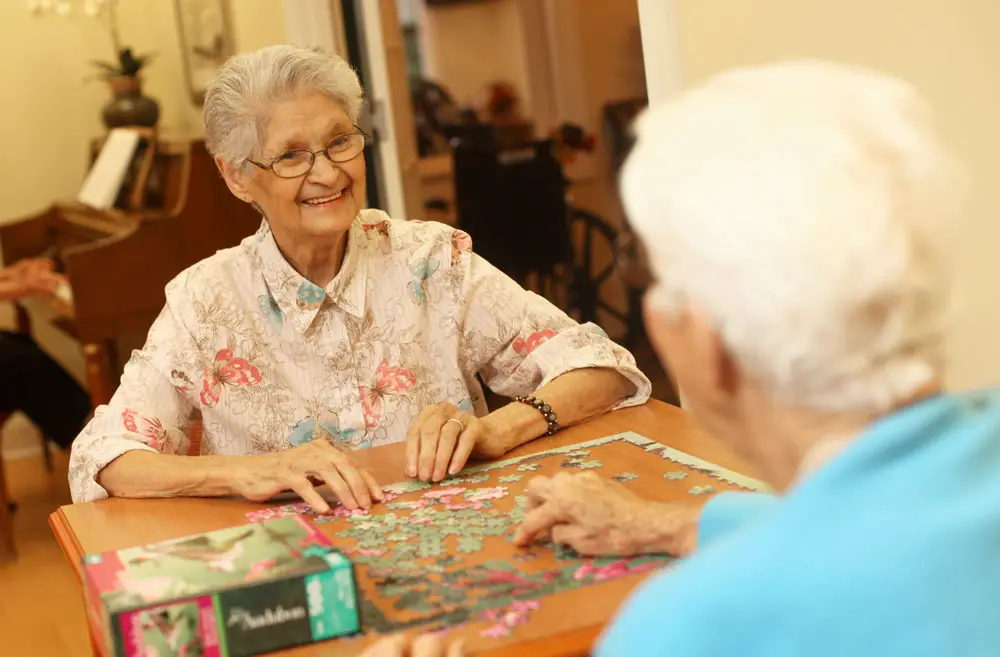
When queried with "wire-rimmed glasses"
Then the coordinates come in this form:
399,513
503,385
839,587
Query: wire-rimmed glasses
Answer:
299,162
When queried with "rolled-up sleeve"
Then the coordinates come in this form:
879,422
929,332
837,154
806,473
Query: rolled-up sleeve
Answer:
518,341
150,410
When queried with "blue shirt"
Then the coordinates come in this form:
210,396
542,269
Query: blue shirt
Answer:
890,549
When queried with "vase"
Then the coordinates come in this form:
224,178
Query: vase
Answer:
128,107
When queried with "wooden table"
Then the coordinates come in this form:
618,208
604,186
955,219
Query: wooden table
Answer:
118,523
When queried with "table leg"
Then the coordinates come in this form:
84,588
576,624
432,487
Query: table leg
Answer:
98,373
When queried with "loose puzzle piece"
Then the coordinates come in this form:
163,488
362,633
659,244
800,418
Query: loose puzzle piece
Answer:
430,546
443,492
677,475
625,477
509,479
505,620
470,544
482,494
702,490
528,467
576,460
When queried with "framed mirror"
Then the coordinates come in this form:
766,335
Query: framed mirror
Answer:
206,35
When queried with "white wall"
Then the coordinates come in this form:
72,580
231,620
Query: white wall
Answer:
948,50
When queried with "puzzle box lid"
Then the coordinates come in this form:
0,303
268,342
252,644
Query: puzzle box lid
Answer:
204,563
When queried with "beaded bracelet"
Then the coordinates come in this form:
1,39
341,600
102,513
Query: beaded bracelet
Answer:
543,408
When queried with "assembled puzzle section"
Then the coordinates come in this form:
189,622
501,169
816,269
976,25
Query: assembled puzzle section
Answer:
233,592
440,555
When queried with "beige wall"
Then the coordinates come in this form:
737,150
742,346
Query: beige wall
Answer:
612,70
49,113
947,49
468,46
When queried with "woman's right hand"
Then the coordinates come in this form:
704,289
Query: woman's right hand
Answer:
300,469
598,517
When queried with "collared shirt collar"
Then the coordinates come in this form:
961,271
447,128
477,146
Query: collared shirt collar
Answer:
300,300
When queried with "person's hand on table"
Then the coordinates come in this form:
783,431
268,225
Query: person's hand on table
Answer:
597,517
423,646
441,439
300,469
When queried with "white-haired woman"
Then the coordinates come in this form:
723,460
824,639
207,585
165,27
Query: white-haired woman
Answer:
794,219
333,328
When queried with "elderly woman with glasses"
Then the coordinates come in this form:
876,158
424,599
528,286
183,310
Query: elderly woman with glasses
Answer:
794,217
334,328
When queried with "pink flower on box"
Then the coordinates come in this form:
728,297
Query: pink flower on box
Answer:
261,568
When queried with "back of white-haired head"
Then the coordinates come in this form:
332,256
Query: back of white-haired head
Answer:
803,208
238,100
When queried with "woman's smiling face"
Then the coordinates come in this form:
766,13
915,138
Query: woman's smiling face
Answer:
324,202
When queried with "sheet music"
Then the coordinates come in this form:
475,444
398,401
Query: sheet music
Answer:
105,179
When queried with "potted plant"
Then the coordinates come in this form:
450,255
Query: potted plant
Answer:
128,106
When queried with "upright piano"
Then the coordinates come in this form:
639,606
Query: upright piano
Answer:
118,261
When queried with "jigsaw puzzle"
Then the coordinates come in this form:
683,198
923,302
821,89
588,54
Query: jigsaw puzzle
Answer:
434,556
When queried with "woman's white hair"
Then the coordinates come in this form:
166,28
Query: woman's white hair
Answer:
239,98
803,207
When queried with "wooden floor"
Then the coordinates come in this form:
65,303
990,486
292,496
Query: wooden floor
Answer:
41,609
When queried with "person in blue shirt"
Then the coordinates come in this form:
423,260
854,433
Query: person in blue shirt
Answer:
793,219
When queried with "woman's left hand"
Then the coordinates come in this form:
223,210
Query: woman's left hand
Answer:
424,646
442,438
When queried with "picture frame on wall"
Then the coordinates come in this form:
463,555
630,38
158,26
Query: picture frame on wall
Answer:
206,36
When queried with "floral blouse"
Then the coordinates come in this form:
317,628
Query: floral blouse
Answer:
269,360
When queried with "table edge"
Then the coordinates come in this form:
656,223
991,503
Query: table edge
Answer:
67,540
574,643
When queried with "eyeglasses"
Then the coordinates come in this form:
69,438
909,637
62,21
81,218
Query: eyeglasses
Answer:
297,163
631,261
